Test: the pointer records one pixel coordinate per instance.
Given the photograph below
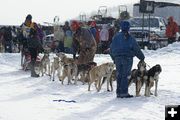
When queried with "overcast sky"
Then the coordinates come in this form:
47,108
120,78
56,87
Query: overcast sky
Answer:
15,11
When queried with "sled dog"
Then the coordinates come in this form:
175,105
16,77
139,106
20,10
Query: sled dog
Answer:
153,77
45,64
138,76
98,72
69,71
55,67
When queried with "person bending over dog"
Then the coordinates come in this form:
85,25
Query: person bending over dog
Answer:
85,41
122,50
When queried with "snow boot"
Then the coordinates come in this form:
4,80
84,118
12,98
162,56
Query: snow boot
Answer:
127,96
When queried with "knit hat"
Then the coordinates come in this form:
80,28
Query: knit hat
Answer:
29,17
125,25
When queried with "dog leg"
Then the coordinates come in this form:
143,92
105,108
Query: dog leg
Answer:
98,84
138,85
22,58
82,77
49,68
86,78
52,69
76,75
151,84
43,70
53,73
111,84
108,81
89,85
41,67
75,79
146,89
69,80
149,91
69,75
103,80
62,79
156,85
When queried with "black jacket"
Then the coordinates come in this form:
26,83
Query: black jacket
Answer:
35,44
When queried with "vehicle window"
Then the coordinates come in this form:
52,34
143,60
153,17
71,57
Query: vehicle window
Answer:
137,22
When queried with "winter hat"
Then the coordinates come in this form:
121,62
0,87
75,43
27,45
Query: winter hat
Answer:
125,25
67,23
75,25
29,17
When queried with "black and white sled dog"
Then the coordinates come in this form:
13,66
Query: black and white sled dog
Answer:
153,76
138,76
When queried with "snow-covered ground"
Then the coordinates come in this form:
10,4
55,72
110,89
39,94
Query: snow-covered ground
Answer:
26,98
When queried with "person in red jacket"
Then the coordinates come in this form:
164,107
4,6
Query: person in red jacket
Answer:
171,30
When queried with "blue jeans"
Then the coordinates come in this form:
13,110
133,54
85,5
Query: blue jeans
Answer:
123,67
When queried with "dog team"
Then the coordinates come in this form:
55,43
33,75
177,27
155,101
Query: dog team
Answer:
122,49
66,67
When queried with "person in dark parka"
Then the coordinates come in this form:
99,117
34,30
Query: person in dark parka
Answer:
122,49
34,46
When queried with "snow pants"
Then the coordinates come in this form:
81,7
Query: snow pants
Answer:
123,67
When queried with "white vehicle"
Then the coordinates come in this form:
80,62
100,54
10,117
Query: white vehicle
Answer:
150,33
163,10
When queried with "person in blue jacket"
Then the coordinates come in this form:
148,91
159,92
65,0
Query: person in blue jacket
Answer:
122,50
